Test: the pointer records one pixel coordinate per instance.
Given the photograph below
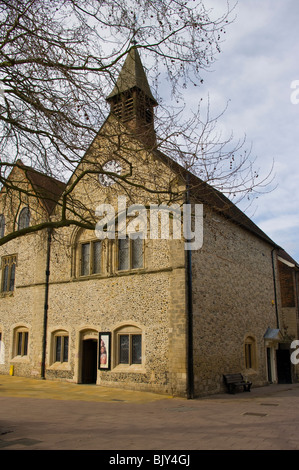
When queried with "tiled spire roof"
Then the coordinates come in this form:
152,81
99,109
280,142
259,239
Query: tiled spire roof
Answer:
132,75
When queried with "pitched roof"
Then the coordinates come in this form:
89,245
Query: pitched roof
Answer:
47,188
282,254
132,75
206,194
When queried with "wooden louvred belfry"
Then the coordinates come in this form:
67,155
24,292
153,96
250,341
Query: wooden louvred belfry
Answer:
131,99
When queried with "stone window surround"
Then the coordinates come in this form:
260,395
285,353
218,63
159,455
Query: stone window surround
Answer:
250,353
109,259
52,363
63,335
91,270
9,261
24,218
127,329
24,356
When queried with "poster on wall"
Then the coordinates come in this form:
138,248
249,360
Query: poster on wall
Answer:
104,350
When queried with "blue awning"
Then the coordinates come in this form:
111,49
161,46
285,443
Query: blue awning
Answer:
273,334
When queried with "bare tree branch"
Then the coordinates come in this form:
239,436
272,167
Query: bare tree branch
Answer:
59,61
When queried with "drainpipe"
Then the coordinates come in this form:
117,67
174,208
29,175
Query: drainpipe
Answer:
275,292
44,344
190,372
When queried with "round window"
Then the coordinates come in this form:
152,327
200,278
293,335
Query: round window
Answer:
113,166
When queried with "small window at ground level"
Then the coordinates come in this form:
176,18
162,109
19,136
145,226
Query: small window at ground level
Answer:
61,353
129,346
249,350
130,349
21,346
248,355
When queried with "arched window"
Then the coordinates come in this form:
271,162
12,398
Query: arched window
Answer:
93,256
2,225
88,254
250,352
8,269
21,338
24,218
128,341
60,346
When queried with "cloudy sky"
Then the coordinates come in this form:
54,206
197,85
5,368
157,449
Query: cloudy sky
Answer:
254,72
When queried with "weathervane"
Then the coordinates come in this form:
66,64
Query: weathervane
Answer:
133,41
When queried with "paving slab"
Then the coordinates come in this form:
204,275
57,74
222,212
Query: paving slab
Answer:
47,415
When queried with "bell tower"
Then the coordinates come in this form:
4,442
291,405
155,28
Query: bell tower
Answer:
131,99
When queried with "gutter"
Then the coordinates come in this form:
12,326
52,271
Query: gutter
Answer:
46,306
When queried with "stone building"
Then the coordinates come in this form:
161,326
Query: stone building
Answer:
140,312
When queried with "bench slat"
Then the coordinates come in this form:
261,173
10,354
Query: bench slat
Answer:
233,381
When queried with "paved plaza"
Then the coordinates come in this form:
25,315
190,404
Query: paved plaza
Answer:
46,415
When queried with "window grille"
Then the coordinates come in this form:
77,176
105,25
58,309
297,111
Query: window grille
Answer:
136,349
137,253
85,267
130,253
61,348
97,257
124,254
124,349
24,218
8,273
22,343
130,350
2,225
91,258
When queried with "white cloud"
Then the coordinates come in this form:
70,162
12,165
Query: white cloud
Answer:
254,71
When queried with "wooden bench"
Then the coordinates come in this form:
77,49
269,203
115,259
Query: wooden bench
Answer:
234,381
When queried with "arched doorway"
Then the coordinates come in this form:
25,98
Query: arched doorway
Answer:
89,358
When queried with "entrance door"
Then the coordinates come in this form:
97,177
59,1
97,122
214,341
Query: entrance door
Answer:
89,361
283,366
